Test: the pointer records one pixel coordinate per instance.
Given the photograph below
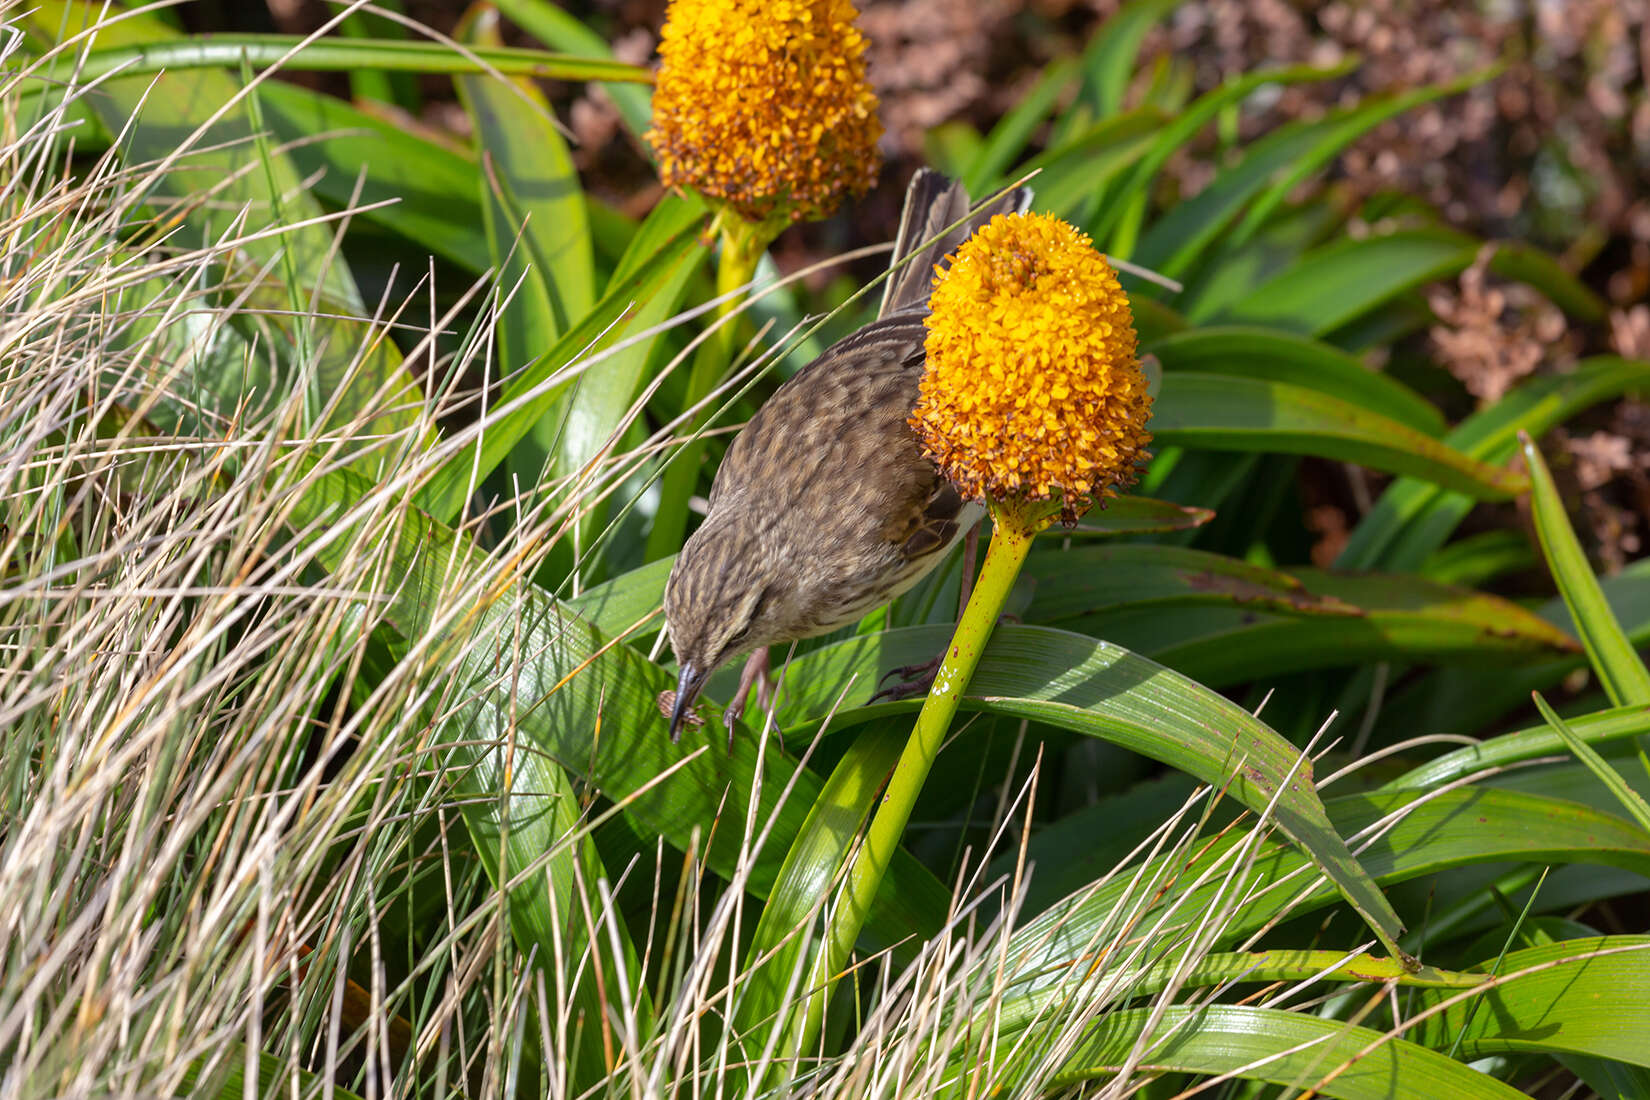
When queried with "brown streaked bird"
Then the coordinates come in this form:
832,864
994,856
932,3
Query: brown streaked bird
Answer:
824,507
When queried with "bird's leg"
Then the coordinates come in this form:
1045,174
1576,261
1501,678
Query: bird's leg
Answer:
971,548
917,679
753,675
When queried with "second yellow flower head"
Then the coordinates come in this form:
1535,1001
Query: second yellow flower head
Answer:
1032,389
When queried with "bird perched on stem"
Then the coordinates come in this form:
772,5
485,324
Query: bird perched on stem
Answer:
825,507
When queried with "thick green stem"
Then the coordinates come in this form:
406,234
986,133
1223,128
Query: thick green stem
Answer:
742,246
1015,524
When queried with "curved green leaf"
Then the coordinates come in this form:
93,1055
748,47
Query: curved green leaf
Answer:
1629,799
529,397
1327,1057
430,191
1530,265
1341,134
1011,134
1399,618
1275,356
554,27
1130,515
1100,690
1186,124
1576,997
1109,59
1074,583
534,187
1466,699
811,868
1248,414
1069,174
602,395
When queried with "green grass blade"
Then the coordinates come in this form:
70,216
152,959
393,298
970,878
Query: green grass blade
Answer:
290,52
1599,728
1630,799
1612,655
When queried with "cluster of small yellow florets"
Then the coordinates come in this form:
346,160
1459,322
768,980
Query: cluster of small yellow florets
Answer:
764,105
1032,388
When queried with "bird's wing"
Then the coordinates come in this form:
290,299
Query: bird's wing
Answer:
830,454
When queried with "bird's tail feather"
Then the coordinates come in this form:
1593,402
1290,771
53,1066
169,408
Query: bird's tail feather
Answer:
932,204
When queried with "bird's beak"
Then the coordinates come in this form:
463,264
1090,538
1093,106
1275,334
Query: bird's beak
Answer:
688,684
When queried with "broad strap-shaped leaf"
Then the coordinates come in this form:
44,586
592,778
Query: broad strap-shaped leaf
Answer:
556,28
1081,581
434,190
537,230
1324,1056
1399,618
1470,698
1249,414
1428,834
1576,997
1272,355
789,925
1343,280
603,395
1413,518
1100,690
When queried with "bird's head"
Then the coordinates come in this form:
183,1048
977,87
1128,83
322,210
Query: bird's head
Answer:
721,601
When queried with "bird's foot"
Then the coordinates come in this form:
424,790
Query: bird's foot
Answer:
755,675
909,680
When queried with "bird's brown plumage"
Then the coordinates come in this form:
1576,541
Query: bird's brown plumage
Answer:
824,506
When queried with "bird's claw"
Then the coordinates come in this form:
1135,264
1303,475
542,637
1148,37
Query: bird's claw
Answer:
912,680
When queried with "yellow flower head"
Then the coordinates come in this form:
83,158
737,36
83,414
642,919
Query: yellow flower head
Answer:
1032,390
764,105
